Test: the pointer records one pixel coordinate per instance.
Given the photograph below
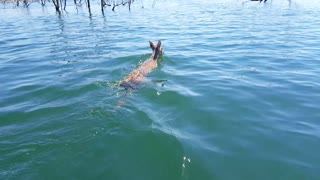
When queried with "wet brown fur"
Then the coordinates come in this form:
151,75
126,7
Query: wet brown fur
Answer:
139,74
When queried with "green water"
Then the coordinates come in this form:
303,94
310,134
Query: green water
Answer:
236,95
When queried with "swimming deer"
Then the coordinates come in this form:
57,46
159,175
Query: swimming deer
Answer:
135,78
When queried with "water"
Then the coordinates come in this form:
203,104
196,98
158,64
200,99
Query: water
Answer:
235,97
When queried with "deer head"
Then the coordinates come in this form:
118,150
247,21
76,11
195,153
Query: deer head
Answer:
156,50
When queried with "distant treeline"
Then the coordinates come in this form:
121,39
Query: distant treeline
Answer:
60,5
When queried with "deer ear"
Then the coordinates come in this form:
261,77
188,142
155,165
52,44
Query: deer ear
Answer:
152,46
159,44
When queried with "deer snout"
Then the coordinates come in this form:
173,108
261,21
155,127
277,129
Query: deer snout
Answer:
161,51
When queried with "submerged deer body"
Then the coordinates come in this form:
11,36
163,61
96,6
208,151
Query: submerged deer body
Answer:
139,74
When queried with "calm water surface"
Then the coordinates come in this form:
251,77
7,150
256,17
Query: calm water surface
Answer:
236,95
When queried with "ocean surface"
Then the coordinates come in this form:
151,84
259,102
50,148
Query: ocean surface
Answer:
235,96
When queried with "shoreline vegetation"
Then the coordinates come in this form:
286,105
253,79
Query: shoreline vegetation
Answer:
60,5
